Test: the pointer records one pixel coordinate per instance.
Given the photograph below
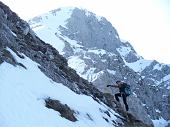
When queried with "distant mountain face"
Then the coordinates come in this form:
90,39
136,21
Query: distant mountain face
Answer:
39,89
93,48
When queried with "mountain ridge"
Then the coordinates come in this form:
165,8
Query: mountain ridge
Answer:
33,73
103,59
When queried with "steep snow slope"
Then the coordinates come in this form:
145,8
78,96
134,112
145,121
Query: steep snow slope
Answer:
50,24
23,93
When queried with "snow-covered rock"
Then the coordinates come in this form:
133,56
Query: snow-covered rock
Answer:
93,48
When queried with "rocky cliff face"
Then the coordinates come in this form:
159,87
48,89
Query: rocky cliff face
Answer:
16,36
93,48
90,31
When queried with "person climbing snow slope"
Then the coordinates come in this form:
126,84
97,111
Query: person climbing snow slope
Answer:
124,91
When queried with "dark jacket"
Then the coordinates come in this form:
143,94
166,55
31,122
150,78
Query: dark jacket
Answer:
122,88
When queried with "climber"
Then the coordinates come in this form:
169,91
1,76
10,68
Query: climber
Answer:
124,91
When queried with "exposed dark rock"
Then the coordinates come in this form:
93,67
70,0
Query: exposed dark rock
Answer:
1,61
63,109
8,57
20,64
89,117
106,119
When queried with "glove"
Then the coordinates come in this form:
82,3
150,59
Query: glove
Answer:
108,85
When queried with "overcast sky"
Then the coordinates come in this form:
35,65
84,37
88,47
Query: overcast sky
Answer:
144,23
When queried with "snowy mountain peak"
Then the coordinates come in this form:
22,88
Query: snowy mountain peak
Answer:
58,17
93,48
73,23
52,19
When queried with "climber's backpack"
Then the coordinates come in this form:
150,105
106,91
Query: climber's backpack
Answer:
128,90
